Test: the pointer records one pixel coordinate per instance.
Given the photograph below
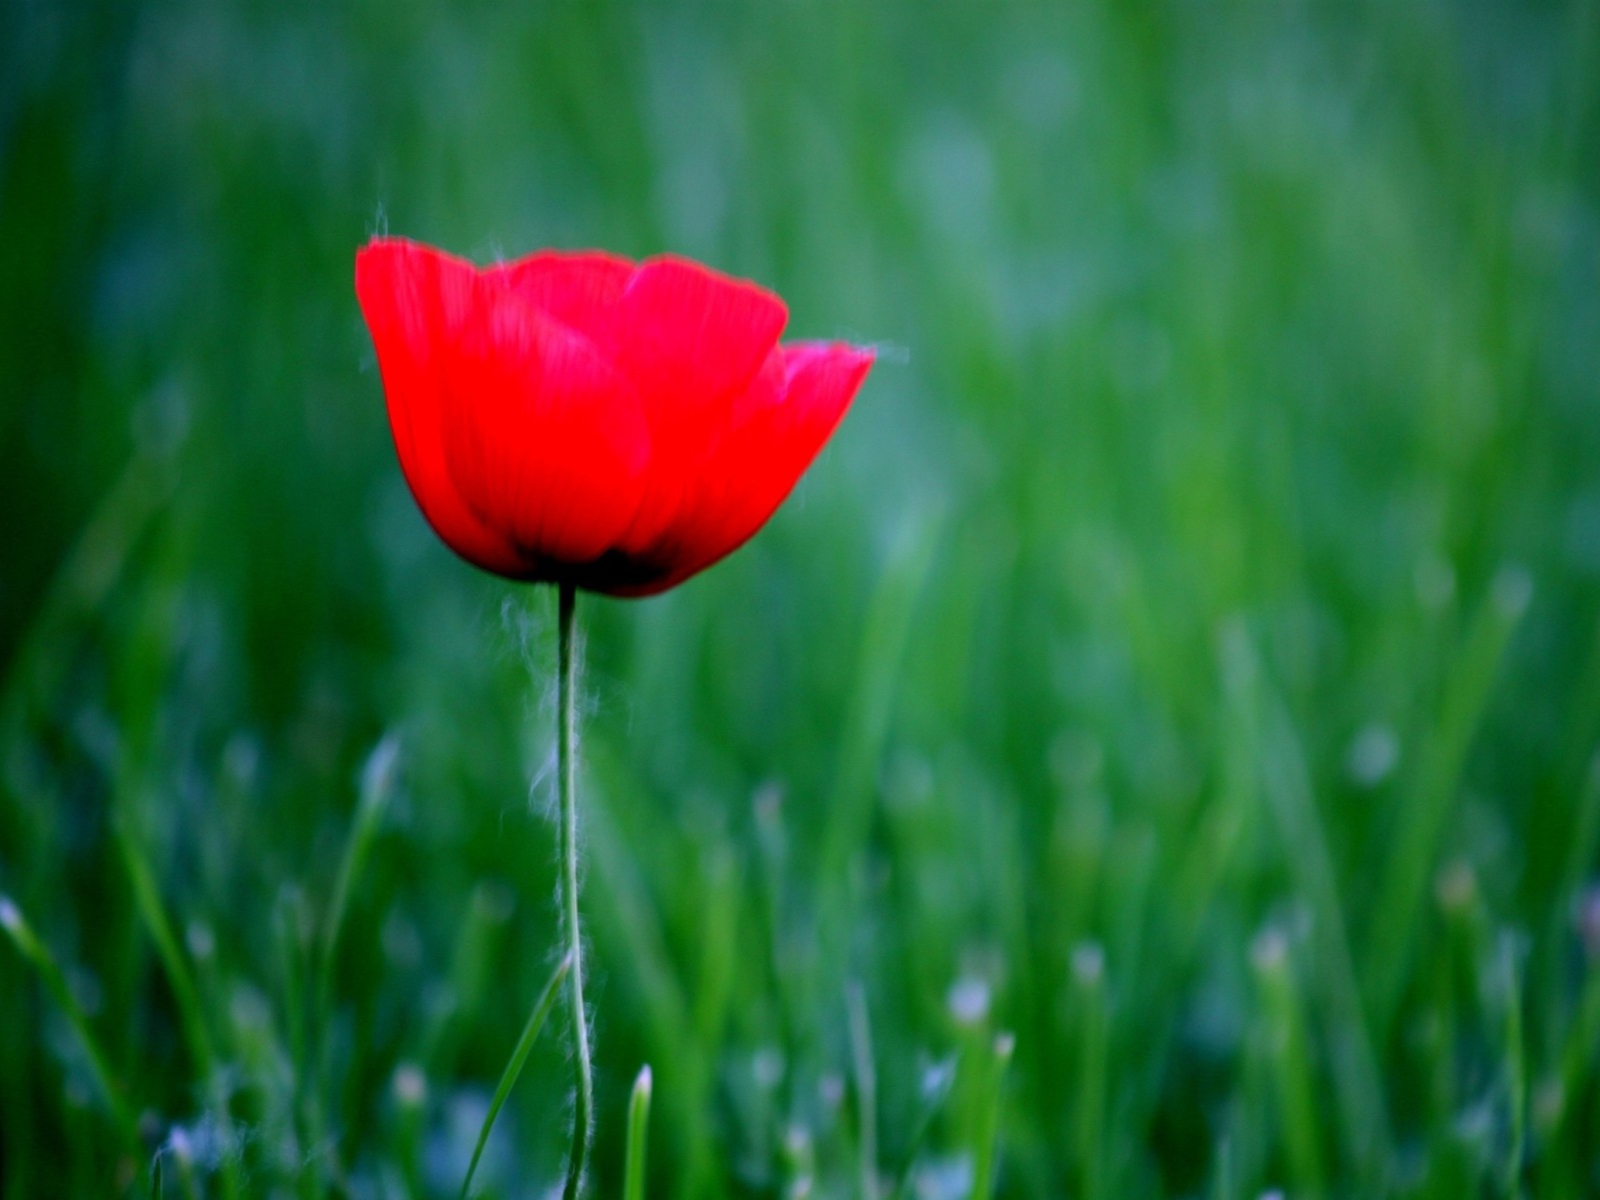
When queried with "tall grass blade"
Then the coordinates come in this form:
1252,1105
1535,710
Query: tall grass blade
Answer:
865,726
987,1135
1286,783
519,1056
191,1016
638,1137
1398,908
1516,1071
1089,980
37,955
866,1081
377,784
1289,1051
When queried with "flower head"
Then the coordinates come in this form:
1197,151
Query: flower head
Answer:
580,418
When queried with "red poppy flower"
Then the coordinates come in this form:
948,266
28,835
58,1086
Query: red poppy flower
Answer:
579,418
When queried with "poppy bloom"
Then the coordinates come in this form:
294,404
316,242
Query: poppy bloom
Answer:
582,419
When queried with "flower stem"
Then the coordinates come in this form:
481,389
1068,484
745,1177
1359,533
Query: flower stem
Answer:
567,769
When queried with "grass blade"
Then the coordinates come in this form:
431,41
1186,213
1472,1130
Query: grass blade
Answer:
147,899
1089,980
1288,1048
866,1090
519,1056
1516,1072
377,784
1286,784
39,957
1426,810
988,1131
638,1136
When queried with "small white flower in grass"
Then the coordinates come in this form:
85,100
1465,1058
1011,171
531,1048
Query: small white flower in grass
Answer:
830,1090
1456,888
1373,755
1088,963
945,1178
1588,920
200,940
937,1076
968,1000
10,916
1269,950
766,1068
410,1086
796,1140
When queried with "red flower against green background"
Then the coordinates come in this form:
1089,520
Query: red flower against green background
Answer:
579,418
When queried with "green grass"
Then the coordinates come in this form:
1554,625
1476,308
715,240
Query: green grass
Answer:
1153,753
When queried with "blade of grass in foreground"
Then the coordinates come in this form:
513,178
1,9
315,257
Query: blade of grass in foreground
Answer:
1426,807
40,959
1516,1073
866,723
866,1090
987,1135
508,1077
191,1016
1089,982
1288,1047
638,1136
1286,784
377,784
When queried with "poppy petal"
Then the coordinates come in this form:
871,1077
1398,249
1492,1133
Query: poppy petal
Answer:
547,443
581,290
416,300
774,432
692,341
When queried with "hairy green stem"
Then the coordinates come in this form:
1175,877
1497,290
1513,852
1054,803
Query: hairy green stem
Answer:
567,769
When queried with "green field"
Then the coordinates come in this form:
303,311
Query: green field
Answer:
1182,668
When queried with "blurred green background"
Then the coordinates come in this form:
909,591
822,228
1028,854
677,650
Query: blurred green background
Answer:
1184,658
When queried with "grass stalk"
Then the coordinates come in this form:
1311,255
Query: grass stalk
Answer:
638,1136
514,1065
1289,1050
191,1016
986,1139
377,782
1516,1073
37,955
1088,976
1426,809
866,1080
